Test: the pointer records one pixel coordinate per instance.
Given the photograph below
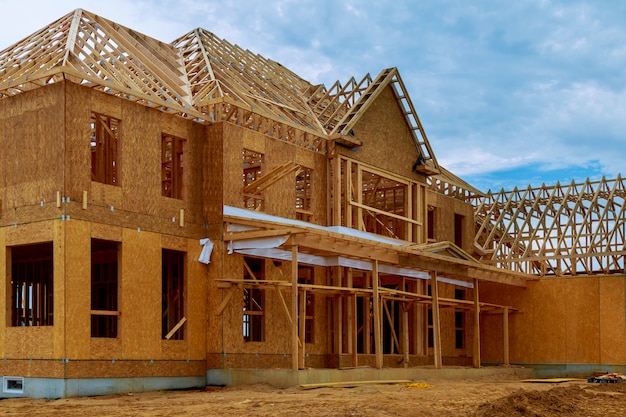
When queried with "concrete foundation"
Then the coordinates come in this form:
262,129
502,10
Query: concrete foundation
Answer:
284,378
51,388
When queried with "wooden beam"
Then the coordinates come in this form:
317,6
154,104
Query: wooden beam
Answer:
378,343
436,321
476,352
505,336
294,307
302,330
175,328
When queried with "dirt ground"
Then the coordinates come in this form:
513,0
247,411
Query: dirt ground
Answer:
492,396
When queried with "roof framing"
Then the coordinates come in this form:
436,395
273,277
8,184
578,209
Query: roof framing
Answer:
575,229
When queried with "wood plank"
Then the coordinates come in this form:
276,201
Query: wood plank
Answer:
175,328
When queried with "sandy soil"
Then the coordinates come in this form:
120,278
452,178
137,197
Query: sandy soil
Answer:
485,397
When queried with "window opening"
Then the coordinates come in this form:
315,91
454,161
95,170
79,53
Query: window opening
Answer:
252,167
172,163
458,230
32,288
104,288
173,295
459,322
386,195
431,225
306,276
13,384
303,195
105,149
253,300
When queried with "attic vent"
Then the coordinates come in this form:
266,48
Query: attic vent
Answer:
13,384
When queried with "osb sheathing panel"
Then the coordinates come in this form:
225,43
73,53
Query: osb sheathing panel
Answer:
612,312
445,209
568,320
582,320
30,233
196,325
4,286
233,168
33,368
78,289
29,342
387,140
120,368
214,177
139,160
60,263
280,198
140,299
230,267
77,153
32,145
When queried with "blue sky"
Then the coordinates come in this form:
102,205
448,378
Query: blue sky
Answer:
509,93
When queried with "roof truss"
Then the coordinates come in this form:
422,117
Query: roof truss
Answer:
558,230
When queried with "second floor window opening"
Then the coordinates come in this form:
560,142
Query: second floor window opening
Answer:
172,166
105,149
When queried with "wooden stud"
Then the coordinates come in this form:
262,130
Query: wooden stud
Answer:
476,353
302,329
181,218
84,200
378,343
505,336
436,321
58,199
294,307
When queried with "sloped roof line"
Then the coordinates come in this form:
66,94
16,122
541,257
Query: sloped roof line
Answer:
101,54
251,79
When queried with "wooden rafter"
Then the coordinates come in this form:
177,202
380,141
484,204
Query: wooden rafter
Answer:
559,230
101,54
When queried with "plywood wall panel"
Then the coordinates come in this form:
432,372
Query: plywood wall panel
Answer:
33,126
141,158
549,333
196,282
5,282
280,197
140,299
214,178
582,320
387,140
233,168
77,291
24,234
612,316
29,342
77,138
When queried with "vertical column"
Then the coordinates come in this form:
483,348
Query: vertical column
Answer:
294,307
351,316
505,335
378,346
338,278
405,333
436,322
476,354
301,356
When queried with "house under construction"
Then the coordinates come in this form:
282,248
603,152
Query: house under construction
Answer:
188,213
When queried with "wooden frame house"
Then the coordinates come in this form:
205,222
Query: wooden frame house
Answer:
176,215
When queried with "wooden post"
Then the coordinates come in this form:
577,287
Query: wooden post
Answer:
405,333
338,275
378,345
476,354
436,322
355,331
505,335
294,307
367,320
350,313
302,318
337,191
